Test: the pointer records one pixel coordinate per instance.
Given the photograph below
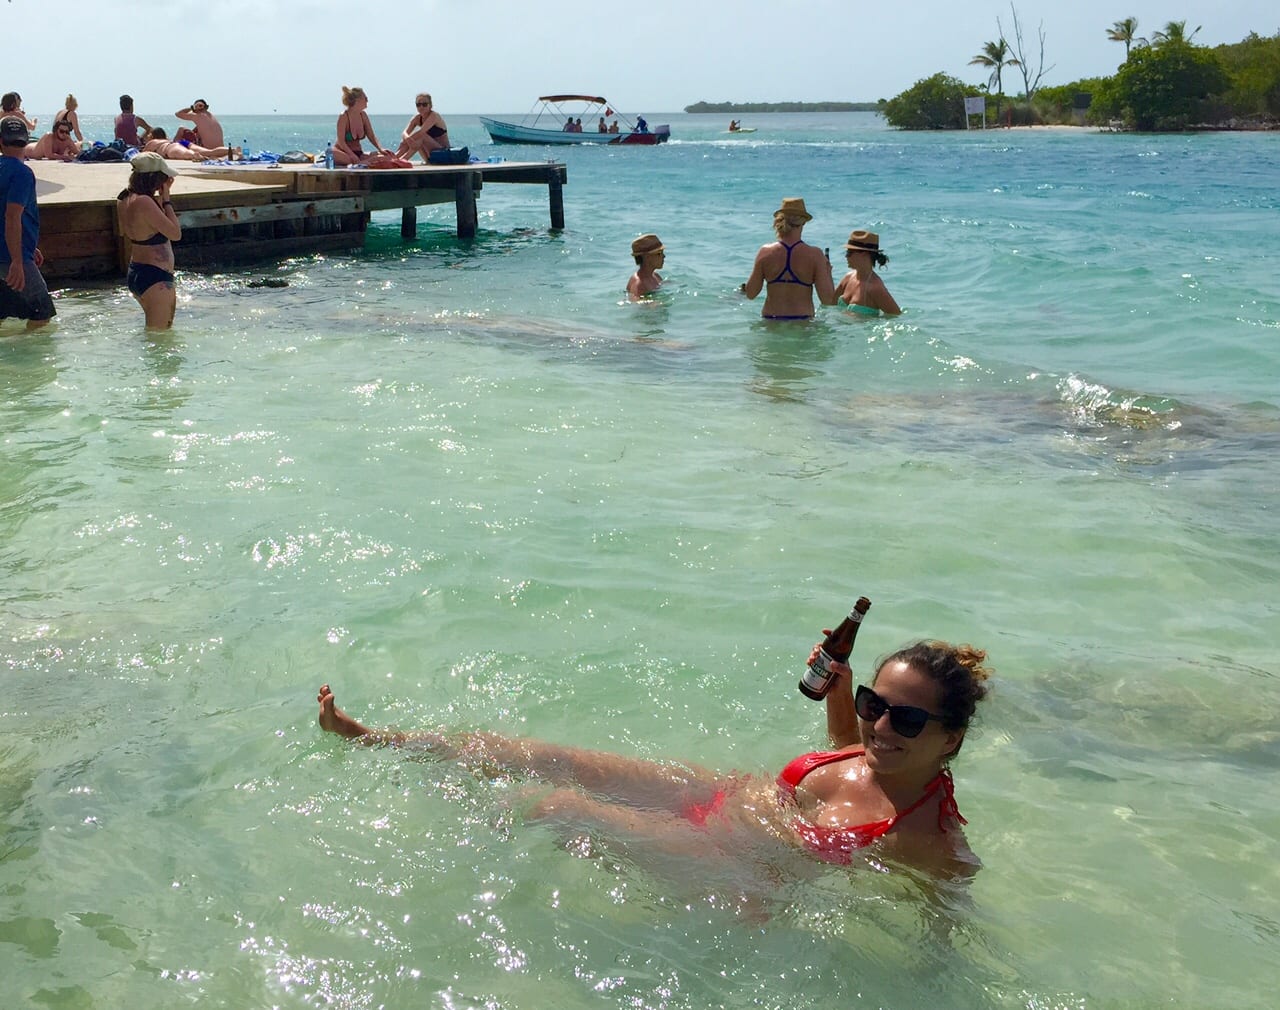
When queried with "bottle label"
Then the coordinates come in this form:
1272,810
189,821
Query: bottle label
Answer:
818,676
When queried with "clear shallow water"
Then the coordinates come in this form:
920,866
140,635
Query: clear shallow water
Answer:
466,485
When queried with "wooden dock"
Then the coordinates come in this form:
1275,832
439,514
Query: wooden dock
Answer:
237,214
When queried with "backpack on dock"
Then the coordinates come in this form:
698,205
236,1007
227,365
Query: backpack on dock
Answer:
449,156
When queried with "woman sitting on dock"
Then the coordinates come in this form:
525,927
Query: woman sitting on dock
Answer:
353,127
148,220
425,132
158,142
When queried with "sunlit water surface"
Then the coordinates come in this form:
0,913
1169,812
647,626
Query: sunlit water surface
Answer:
467,485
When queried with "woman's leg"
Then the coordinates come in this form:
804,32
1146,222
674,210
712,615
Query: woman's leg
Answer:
632,781
159,303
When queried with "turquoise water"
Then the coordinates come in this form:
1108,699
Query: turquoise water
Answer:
467,485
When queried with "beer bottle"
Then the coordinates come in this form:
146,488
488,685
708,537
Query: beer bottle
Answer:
818,678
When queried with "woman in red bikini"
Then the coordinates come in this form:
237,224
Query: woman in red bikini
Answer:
887,780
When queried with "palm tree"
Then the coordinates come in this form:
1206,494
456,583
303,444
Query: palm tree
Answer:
1175,33
1126,31
996,56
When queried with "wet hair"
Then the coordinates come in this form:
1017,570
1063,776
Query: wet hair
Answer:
143,184
783,223
157,133
958,671
126,103
352,95
10,101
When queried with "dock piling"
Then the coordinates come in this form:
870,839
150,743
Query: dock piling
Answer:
409,223
465,197
555,191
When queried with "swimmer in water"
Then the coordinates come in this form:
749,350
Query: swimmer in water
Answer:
887,782
861,290
649,254
791,267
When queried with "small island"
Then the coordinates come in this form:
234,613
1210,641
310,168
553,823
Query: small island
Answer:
734,108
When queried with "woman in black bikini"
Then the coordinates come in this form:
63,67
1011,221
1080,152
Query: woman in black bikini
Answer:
68,116
425,132
148,220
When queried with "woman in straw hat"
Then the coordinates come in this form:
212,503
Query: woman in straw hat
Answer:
791,267
861,291
649,254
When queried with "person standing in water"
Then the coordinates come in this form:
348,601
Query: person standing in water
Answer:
791,267
649,254
861,290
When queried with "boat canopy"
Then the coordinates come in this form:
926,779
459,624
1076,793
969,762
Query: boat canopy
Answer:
573,98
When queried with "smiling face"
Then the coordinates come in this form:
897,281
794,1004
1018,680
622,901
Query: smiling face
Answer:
890,753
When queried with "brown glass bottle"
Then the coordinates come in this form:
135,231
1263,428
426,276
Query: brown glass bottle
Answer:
818,678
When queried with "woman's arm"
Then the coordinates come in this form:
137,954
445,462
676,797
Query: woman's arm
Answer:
409,127
884,301
158,214
368,132
842,719
74,120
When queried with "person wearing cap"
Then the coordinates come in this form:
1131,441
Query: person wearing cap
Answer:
207,131
22,290
148,221
791,267
861,291
649,253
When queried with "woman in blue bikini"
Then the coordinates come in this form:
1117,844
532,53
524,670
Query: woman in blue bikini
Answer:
148,220
861,291
886,780
792,268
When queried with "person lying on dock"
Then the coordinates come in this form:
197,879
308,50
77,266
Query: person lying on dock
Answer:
158,142
886,783
56,145
648,251
425,131
207,131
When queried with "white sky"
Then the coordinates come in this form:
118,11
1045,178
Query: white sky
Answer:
477,56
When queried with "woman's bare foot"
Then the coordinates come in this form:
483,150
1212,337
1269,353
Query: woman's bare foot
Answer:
334,720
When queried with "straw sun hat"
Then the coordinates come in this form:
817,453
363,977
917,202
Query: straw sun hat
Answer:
793,206
645,245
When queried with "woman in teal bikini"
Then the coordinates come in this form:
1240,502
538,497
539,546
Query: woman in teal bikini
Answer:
861,291
353,127
886,781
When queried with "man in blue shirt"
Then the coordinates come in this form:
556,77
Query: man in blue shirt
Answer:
22,291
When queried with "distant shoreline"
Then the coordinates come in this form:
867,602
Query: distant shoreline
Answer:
739,107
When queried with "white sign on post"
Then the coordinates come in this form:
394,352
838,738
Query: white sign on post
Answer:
976,106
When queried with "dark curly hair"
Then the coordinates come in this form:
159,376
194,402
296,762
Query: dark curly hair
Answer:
958,671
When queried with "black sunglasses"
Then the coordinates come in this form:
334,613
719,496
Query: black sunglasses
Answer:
422,104
906,720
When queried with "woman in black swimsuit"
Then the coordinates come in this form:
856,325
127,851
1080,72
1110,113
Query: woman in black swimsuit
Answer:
148,220
424,133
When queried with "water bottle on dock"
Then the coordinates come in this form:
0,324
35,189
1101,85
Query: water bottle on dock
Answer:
328,155
244,149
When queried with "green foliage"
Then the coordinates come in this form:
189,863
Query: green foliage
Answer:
1254,68
1169,86
1057,104
935,103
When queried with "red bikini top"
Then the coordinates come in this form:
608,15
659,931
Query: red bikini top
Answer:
836,845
